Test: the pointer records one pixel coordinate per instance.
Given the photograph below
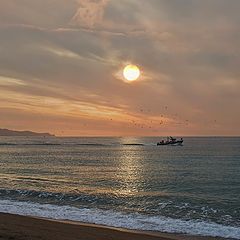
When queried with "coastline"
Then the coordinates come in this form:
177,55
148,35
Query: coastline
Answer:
17,227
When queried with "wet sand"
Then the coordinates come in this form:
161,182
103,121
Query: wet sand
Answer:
15,227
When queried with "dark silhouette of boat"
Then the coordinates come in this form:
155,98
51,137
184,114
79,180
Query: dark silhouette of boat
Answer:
171,141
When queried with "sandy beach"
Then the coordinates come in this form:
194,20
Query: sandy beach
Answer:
22,227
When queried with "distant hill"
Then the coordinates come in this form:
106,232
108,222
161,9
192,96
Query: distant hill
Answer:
7,132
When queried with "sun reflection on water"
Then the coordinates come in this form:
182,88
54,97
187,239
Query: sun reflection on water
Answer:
130,168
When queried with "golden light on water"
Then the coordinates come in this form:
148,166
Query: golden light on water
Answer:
131,73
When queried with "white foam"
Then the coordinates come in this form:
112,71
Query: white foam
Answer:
116,219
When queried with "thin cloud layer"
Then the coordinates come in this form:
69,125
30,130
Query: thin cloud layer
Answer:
65,55
89,13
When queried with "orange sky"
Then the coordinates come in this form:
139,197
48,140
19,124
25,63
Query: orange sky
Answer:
61,65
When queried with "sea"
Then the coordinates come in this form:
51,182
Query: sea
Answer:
126,182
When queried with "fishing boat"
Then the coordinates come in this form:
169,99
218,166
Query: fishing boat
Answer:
171,141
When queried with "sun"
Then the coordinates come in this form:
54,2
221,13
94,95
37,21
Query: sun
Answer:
131,73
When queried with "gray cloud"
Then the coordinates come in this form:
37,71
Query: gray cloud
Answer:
51,13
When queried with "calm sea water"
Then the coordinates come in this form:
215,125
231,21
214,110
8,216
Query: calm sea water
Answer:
125,182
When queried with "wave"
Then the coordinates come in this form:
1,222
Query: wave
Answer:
168,204
117,219
70,144
30,144
57,197
87,144
53,144
133,144
8,144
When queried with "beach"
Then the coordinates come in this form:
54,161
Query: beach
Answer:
18,227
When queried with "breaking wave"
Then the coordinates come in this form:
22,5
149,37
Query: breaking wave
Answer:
117,219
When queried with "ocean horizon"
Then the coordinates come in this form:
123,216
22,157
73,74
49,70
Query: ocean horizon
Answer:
127,182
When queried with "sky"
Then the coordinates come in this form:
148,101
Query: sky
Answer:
61,65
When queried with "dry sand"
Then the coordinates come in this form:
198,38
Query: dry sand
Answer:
15,227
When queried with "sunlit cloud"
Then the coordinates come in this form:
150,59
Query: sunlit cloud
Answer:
6,81
61,52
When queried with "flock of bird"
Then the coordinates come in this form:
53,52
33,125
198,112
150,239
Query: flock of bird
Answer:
163,119
154,124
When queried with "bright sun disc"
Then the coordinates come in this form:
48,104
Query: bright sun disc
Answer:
131,72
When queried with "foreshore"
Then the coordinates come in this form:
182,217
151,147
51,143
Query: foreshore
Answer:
17,227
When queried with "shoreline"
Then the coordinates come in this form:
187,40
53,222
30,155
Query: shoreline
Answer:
18,227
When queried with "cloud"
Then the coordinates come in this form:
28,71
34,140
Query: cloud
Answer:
48,14
89,13
6,81
63,55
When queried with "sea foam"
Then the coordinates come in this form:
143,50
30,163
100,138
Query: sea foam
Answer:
117,219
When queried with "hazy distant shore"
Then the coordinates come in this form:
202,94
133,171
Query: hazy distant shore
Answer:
21,227
13,133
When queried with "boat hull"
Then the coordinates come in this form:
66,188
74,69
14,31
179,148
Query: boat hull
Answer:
175,143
